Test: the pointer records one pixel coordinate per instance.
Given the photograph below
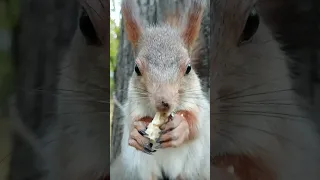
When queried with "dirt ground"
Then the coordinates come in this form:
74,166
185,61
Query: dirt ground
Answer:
5,147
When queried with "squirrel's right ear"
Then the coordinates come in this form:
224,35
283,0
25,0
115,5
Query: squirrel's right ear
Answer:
131,21
192,28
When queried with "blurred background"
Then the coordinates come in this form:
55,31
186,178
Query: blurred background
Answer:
115,18
35,38
9,15
39,37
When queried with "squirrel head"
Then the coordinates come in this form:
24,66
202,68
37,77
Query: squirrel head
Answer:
163,75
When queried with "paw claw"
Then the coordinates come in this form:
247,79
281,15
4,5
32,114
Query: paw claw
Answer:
143,133
148,151
148,148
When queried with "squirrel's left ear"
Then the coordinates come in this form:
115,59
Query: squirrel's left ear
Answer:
132,22
192,27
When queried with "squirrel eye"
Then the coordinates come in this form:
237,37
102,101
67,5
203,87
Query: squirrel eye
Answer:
188,69
87,29
137,70
251,27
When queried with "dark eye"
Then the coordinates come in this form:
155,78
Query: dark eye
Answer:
88,30
251,27
188,69
137,70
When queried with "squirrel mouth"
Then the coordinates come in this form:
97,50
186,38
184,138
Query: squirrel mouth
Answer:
244,167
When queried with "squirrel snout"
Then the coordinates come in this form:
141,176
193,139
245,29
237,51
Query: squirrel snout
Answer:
164,98
163,106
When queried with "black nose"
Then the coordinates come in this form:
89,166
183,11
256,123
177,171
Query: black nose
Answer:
163,106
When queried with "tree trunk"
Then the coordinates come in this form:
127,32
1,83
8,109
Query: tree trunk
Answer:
151,11
41,40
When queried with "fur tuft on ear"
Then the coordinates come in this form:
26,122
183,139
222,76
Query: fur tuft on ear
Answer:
174,19
132,22
198,52
191,31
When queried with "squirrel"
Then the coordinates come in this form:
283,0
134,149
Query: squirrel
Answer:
259,130
165,81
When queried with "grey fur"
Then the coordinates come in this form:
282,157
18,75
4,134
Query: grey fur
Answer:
163,48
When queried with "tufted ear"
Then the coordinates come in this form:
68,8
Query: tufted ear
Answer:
132,22
192,27
174,16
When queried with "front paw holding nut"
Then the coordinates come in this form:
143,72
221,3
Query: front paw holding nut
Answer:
137,138
174,133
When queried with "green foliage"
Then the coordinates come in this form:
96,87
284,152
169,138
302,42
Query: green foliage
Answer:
114,46
14,11
9,16
9,13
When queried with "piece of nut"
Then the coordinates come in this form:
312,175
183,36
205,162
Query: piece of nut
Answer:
153,129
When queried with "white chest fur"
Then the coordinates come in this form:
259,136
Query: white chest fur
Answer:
191,160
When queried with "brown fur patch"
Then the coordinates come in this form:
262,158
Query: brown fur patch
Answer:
198,53
147,120
192,121
132,23
193,25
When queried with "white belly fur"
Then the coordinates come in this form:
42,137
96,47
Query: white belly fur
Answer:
191,160
188,160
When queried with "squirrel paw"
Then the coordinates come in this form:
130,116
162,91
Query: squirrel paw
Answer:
137,138
174,133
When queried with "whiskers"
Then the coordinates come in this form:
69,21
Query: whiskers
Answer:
139,96
192,93
80,98
192,96
248,117
138,92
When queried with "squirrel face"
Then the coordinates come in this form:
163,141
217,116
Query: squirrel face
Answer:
163,69
163,77
249,101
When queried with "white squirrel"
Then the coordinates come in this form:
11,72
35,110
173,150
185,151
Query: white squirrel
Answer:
165,81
